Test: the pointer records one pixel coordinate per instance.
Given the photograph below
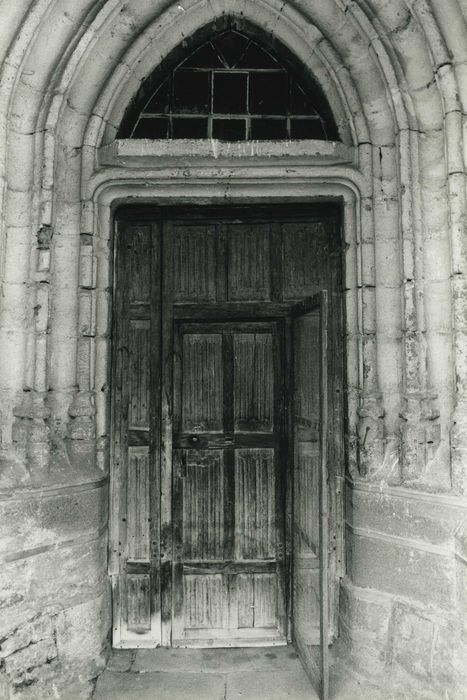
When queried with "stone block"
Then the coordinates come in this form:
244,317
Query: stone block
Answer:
163,686
412,639
52,580
82,637
251,685
394,566
369,612
38,629
449,657
21,666
41,519
121,660
54,689
405,513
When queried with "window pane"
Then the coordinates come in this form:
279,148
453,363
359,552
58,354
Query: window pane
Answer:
300,103
268,93
204,57
191,91
186,128
160,101
229,129
232,47
306,129
268,129
152,128
256,57
230,90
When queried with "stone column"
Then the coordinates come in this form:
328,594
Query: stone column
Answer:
82,412
31,430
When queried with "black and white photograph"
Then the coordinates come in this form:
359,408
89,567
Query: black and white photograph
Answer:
233,350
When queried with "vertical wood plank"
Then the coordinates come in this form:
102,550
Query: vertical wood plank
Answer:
229,464
177,598
280,466
276,261
155,425
323,499
167,549
119,422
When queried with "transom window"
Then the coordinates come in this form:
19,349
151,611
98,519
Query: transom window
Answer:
230,88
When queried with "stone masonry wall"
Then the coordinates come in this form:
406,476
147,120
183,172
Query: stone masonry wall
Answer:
395,75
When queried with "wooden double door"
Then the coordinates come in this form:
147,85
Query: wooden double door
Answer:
203,437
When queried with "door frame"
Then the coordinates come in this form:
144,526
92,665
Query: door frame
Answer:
148,209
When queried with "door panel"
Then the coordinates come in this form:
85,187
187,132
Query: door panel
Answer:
255,504
310,509
202,385
228,514
253,382
248,254
135,492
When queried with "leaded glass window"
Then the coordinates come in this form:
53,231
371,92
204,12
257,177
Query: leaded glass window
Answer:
233,89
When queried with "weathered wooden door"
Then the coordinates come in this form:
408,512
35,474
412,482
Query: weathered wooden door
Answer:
310,605
201,459
228,498
135,493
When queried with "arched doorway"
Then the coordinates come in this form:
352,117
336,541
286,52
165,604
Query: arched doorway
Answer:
217,432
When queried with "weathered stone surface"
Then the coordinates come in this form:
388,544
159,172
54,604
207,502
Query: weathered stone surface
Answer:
163,686
277,685
403,513
48,518
121,660
41,627
214,660
29,665
55,689
412,641
398,568
82,637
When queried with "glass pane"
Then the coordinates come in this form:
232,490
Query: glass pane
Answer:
230,91
160,101
229,129
306,129
268,93
186,128
268,129
300,103
152,128
204,57
256,57
191,91
232,47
